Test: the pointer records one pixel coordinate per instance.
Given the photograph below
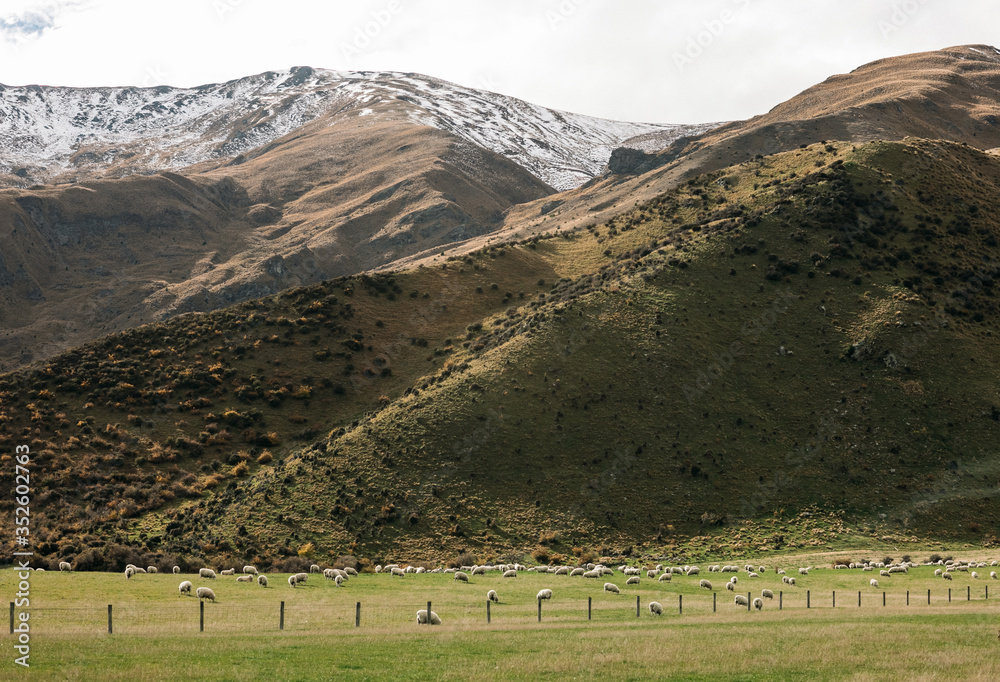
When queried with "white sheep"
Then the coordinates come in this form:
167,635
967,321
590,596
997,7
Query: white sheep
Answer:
544,594
314,568
422,618
803,571
185,587
611,587
378,568
244,579
461,577
740,600
228,571
884,574
65,566
262,580
151,569
577,571
693,570
352,571
329,574
137,569
339,580
177,570
873,582
791,581
398,572
993,575
767,594
205,593
706,584
975,576
562,571
492,596
300,577
250,570
651,574
129,572
634,580
938,572
753,574
510,574
734,580
206,573
947,576
479,570
665,577
292,582
655,608
731,587
758,603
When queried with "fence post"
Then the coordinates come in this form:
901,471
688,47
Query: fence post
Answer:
487,611
428,613
281,618
781,599
835,599
357,615
539,610
12,618
588,607
928,597
748,601
201,611
987,592
883,597
968,593
808,600
908,597
859,599
680,605
949,595
636,606
110,630
714,596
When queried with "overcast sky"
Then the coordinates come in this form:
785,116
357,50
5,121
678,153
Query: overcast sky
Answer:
662,61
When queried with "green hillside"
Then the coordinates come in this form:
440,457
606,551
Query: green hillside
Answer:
806,333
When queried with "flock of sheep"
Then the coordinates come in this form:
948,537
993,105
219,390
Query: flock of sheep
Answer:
632,576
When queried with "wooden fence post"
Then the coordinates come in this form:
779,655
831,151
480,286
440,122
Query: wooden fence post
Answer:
487,611
907,597
12,618
835,599
968,593
589,606
281,617
428,613
357,615
714,595
539,610
110,629
949,595
636,606
748,601
781,599
680,605
808,600
859,599
201,617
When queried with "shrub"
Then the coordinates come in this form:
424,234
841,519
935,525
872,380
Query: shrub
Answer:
347,561
265,457
464,559
541,555
241,469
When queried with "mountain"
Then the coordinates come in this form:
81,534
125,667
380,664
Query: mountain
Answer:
811,332
285,178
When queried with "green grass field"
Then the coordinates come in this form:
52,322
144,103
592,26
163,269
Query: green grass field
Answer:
156,631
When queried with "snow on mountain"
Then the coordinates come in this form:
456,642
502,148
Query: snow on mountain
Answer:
53,133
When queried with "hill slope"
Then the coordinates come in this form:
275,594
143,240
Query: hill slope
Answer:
812,331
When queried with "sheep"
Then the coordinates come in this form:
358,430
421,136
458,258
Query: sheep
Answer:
339,580
205,593
803,571
422,618
462,577
884,574
378,568
329,574
761,569
734,580
785,579
767,594
185,587
868,568
611,587
873,582
177,570
389,567
138,569
543,594
577,571
655,608
397,572
634,580
947,576
731,587
492,596
244,579
65,566
740,600
314,568
262,580
938,572
993,575
791,581
781,571
292,582
592,574
129,572
758,603
228,571
300,577
665,577
693,570
510,574
706,584
479,570
753,574
250,570
206,573
651,574
351,571
975,576
151,569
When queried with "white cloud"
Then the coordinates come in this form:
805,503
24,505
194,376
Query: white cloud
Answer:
614,59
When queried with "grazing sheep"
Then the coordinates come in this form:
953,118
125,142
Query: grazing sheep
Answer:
151,569
577,571
510,574
292,582
314,568
329,574
791,581
129,572
378,569
734,580
479,570
781,571
492,596
651,574
665,577
228,571
938,572
611,587
740,600
592,574
262,580
206,573
185,587
975,576
706,584
767,594
884,574
758,603
731,587
339,580
761,569
461,577
867,568
177,569
693,570
655,608
993,575
753,575
250,570
65,566
397,572
947,576
785,579
244,579
422,618
351,571
205,593
634,580
139,570
803,571
562,571
544,594
300,577
873,582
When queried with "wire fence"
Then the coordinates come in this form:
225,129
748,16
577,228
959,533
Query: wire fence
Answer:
189,615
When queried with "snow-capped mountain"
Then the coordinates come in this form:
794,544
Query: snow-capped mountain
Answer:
54,133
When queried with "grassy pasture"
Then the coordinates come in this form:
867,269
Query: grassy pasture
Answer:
156,630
